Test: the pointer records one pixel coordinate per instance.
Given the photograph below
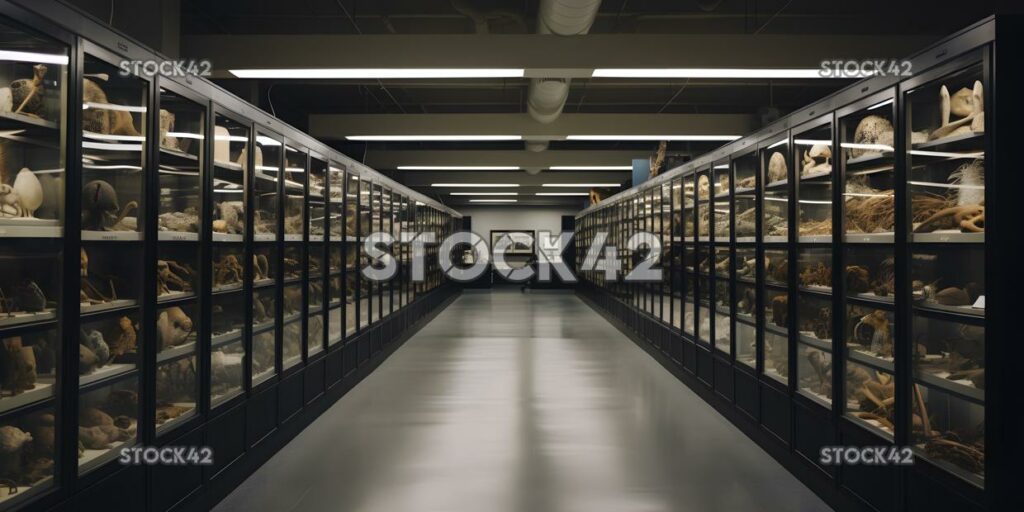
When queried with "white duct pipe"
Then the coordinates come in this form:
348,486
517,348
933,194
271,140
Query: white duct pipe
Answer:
547,96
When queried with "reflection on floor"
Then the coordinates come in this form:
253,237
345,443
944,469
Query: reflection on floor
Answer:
521,402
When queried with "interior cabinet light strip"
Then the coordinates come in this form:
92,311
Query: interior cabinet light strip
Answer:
110,106
722,166
811,142
469,185
591,168
267,141
711,73
459,168
186,135
691,138
580,185
379,73
777,144
432,138
36,58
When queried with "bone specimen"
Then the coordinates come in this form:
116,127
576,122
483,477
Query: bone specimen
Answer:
816,275
229,217
100,208
874,331
173,327
185,221
868,210
89,293
873,130
817,159
98,119
703,187
260,267
28,94
821,364
777,169
93,340
221,144
167,125
168,279
967,105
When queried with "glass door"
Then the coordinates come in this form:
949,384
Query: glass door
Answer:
721,257
745,269
229,298
337,321
946,188
294,270
317,196
180,176
266,311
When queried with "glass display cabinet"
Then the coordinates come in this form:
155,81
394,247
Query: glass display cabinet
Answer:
181,176
293,295
945,182
869,222
317,199
267,264
230,259
812,147
114,162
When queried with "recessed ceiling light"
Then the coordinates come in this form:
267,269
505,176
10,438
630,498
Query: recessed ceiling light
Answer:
379,73
562,194
481,185
591,168
493,200
581,185
691,138
432,138
459,168
710,73
483,193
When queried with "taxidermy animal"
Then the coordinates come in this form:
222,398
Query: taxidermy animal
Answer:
122,402
17,366
100,208
167,125
780,310
102,120
777,169
93,417
27,94
173,328
168,280
873,330
126,338
260,267
93,340
46,358
872,130
967,105
88,293
100,437
13,440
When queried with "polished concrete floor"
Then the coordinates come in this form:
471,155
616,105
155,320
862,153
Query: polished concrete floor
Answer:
526,403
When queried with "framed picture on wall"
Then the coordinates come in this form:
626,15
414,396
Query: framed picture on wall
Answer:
522,240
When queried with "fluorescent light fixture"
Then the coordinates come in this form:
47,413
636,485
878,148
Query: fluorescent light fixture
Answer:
481,185
459,168
580,185
483,193
123,138
38,58
185,135
110,106
493,200
591,168
777,144
709,73
104,146
432,138
944,154
811,142
691,138
379,73
562,194
880,105
868,147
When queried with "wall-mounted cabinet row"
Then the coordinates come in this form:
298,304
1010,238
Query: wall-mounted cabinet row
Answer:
213,254
837,260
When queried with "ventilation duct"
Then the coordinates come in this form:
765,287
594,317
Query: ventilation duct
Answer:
547,96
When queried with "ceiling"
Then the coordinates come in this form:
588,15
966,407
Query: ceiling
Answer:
440,33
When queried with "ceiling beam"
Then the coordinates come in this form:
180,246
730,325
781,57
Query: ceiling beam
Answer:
541,55
337,126
391,159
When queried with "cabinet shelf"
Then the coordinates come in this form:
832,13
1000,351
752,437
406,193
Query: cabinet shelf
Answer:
42,390
176,352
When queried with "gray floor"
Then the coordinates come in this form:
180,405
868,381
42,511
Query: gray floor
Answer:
532,403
